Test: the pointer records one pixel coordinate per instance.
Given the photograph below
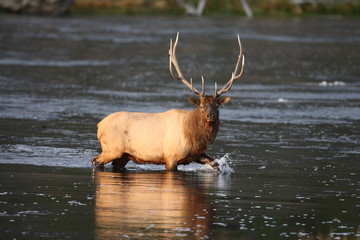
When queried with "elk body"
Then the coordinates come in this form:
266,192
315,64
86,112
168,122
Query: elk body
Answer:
173,137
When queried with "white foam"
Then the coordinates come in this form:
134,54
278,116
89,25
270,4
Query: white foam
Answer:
331,84
224,166
282,100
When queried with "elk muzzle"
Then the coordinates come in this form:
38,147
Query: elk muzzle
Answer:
210,117
211,112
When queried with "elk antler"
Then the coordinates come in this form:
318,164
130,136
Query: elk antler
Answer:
234,75
179,76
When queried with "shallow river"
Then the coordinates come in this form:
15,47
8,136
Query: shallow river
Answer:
288,145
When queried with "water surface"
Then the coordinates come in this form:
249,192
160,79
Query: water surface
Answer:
288,141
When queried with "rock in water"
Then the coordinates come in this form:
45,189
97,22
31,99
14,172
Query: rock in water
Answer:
43,7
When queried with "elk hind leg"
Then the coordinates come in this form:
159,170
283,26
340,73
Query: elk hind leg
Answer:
205,159
119,163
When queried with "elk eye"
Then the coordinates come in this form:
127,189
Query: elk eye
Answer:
201,106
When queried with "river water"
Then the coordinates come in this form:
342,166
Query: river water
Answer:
289,140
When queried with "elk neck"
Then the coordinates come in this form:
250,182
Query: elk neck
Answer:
199,132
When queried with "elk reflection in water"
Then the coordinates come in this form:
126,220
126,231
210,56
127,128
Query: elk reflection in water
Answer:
154,205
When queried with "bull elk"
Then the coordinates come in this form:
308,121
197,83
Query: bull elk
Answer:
173,137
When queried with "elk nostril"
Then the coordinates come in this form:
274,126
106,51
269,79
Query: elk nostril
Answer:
211,116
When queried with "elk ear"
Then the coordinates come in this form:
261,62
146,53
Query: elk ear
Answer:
194,101
223,100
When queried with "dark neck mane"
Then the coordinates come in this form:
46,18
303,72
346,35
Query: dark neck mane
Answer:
199,133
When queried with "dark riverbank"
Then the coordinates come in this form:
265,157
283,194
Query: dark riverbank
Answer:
224,8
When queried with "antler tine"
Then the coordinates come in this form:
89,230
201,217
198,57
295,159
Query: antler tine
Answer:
173,62
202,86
192,86
240,54
234,75
202,94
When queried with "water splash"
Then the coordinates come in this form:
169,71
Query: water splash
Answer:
224,166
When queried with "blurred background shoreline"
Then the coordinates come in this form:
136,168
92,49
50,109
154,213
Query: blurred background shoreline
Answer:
213,8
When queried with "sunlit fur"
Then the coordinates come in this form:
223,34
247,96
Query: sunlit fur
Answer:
171,138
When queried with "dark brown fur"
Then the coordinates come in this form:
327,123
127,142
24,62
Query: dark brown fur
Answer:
199,132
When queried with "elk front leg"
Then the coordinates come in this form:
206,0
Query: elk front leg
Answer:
104,158
171,165
205,159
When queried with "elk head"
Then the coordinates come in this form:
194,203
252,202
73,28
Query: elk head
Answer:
209,104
